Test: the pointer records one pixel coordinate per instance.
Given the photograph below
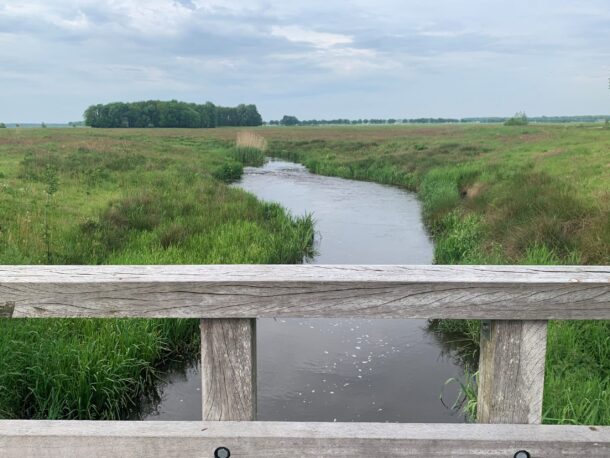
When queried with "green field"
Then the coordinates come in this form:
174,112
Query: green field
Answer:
490,194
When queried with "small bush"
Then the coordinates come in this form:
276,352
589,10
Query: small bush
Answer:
229,171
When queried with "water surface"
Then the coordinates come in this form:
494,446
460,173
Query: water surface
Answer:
338,369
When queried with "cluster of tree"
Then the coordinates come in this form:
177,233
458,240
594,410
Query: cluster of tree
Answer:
520,119
156,113
2,125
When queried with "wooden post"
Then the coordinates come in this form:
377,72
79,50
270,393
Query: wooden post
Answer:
228,369
511,371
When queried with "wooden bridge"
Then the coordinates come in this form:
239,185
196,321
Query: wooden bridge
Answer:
516,300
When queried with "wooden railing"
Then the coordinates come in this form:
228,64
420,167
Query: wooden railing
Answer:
517,301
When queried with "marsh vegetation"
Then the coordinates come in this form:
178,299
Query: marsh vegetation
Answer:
116,197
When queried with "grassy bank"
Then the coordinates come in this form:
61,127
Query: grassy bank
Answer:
85,196
497,195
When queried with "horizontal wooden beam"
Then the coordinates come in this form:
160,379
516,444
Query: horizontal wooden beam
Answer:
252,291
50,439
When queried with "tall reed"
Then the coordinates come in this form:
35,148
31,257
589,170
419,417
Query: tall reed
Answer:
250,148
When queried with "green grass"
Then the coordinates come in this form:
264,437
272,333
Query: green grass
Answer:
249,156
85,369
119,197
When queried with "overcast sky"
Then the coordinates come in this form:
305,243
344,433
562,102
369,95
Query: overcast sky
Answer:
312,59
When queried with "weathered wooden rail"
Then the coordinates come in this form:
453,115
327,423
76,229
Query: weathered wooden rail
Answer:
517,302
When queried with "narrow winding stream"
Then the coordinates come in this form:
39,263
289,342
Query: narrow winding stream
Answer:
341,370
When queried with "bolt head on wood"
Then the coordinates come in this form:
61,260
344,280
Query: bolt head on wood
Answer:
224,452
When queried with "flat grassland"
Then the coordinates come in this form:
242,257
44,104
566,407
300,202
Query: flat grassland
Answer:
537,194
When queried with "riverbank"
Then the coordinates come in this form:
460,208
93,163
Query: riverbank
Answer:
498,195
86,196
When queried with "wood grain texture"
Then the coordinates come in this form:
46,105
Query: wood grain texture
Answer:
228,369
511,372
53,439
250,291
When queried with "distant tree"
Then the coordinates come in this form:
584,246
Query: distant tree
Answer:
43,125
520,119
247,115
2,125
289,121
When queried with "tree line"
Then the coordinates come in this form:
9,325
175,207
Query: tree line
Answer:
157,113
288,120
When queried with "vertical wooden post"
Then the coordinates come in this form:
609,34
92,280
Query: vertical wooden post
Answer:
228,369
511,371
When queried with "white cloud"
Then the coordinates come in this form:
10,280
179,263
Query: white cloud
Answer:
209,64
346,61
331,51
70,20
299,34
152,17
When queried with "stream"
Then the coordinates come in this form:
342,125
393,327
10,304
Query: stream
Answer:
340,369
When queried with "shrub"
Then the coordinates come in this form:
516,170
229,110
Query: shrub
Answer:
229,171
